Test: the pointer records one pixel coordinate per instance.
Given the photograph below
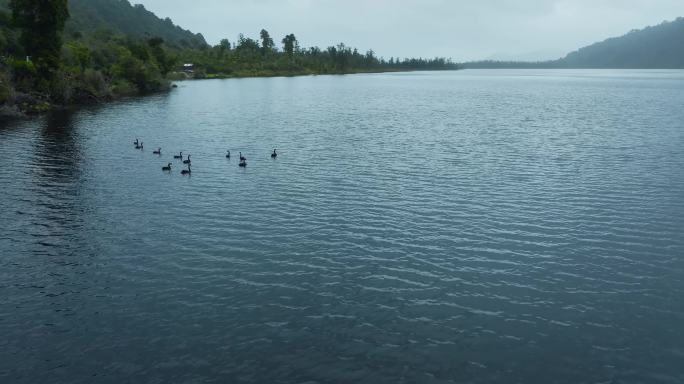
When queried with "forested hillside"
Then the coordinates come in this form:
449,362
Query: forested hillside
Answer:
47,58
122,18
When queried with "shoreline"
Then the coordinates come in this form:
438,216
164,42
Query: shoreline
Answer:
268,73
28,106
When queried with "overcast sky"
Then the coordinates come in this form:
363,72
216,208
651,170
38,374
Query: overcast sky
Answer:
460,29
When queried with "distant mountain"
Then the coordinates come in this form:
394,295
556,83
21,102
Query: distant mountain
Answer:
657,47
661,46
122,18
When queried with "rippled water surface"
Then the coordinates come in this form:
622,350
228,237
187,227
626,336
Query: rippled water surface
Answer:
465,227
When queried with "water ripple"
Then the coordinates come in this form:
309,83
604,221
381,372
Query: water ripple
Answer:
476,227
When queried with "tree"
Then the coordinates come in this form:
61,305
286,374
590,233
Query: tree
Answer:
225,44
370,58
246,44
290,44
41,23
164,61
267,43
155,42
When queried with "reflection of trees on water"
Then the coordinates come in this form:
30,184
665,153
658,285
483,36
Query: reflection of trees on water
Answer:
58,149
50,258
55,188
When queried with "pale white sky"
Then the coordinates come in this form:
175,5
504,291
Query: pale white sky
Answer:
461,29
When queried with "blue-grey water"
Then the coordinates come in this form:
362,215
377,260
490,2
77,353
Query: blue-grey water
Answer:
456,227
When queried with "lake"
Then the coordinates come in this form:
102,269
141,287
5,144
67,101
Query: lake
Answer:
478,226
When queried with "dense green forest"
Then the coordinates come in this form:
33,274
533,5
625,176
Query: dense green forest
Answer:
657,47
58,52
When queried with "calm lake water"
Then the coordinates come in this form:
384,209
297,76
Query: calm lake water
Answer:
458,227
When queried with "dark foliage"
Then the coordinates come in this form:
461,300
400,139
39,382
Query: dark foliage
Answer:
40,23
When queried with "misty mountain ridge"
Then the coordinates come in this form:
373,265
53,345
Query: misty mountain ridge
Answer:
660,46
655,47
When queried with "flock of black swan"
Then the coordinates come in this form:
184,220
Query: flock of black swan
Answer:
243,160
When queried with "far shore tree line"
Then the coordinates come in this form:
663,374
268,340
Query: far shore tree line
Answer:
263,57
